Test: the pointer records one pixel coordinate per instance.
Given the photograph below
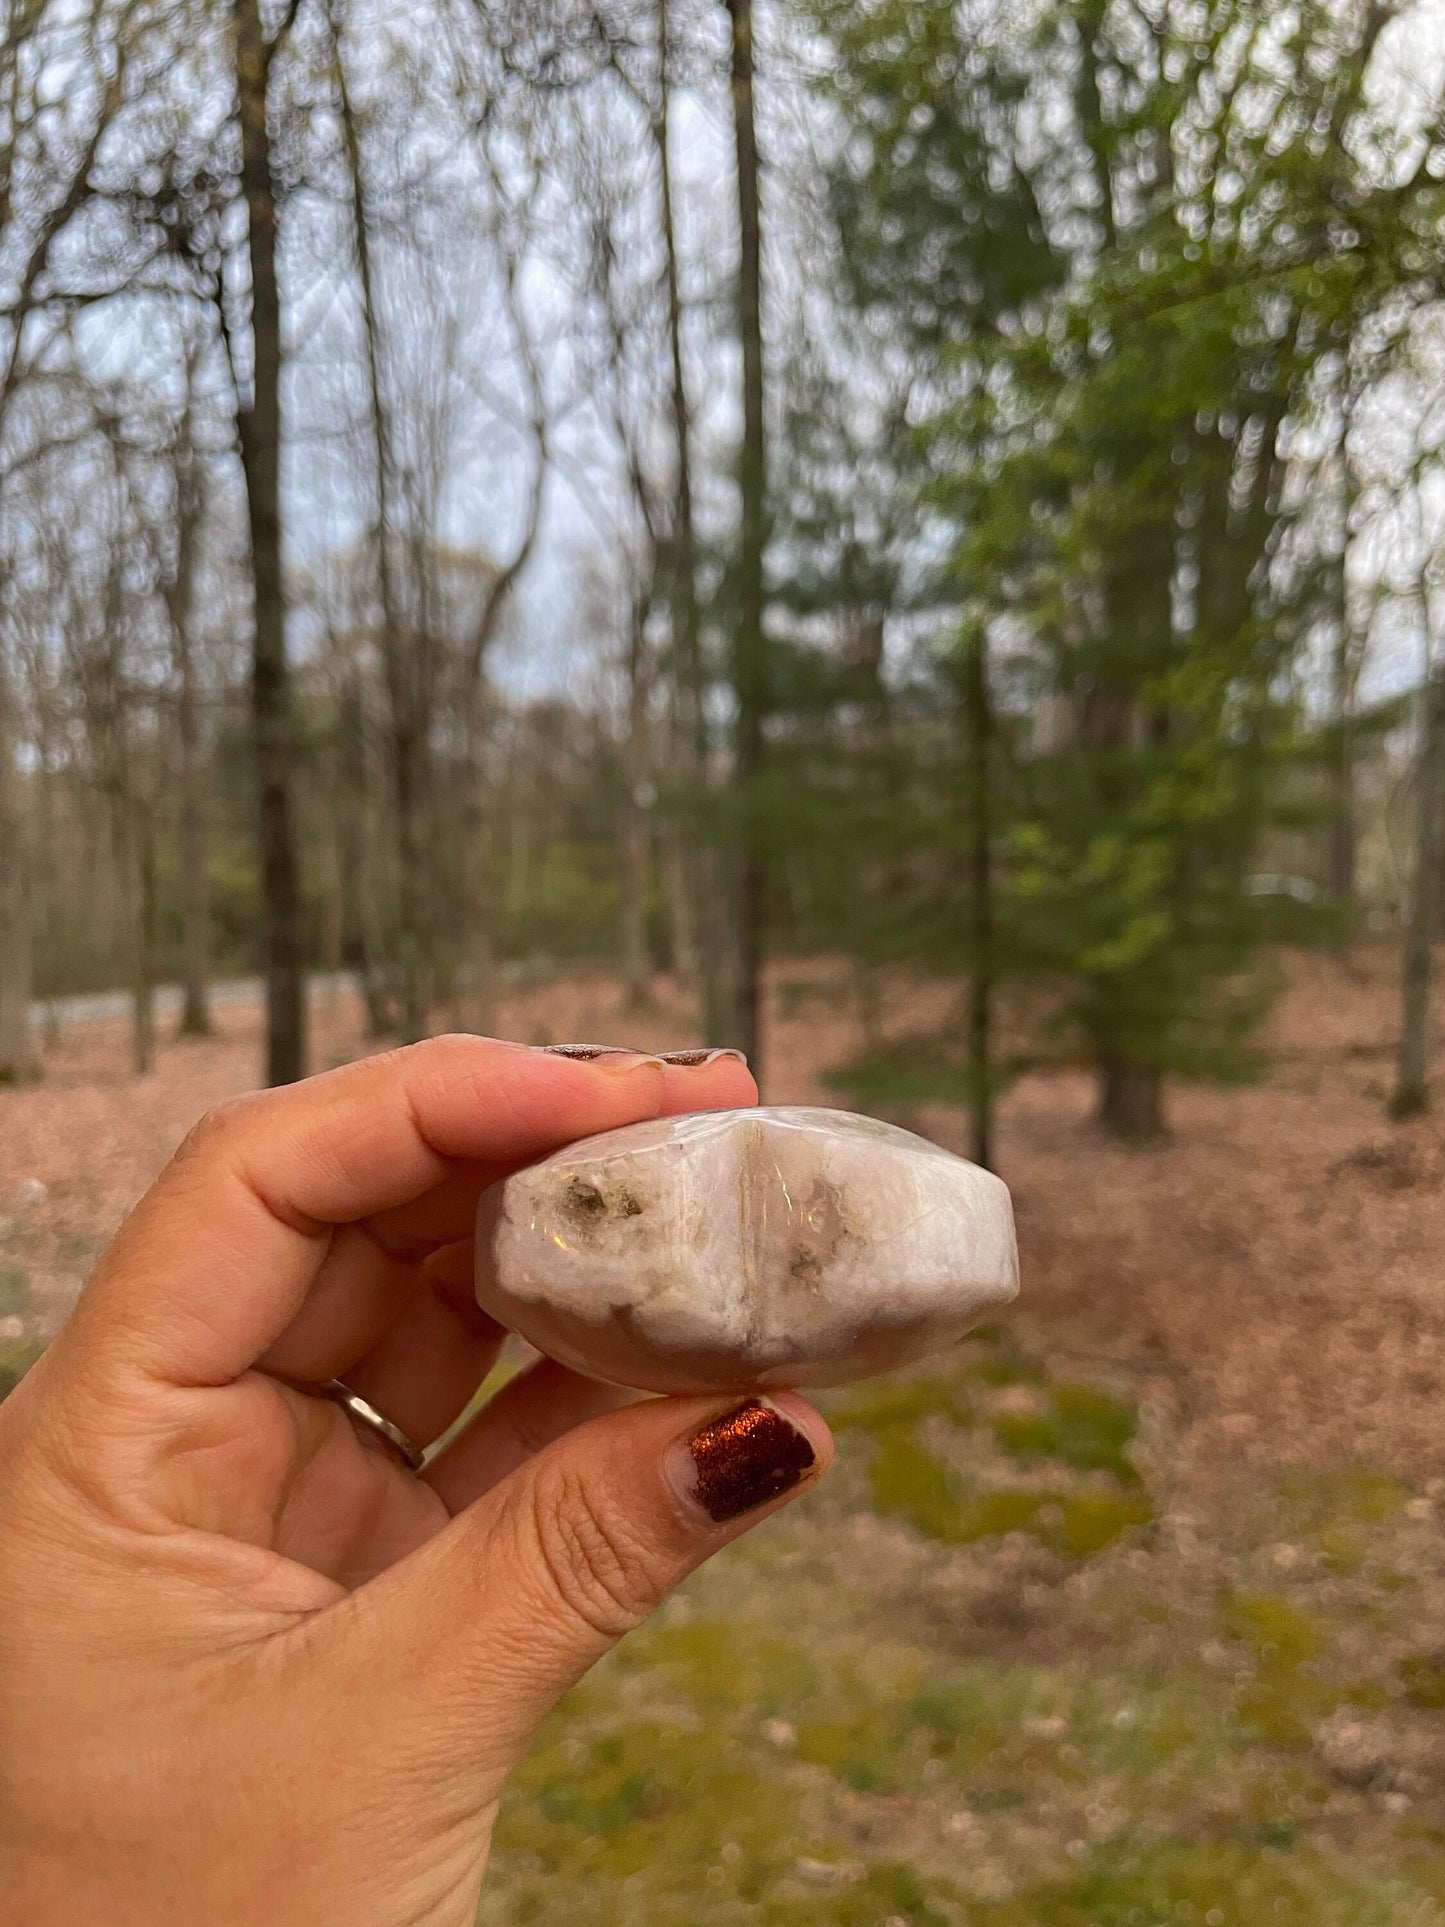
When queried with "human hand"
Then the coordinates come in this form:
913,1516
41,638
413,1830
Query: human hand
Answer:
253,1669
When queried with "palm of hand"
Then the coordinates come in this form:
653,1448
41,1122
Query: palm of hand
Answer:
305,1508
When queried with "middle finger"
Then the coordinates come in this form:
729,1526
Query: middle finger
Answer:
426,1367
369,1275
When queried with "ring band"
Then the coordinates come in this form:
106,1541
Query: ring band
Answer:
365,1413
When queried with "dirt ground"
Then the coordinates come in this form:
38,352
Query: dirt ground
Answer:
1137,1616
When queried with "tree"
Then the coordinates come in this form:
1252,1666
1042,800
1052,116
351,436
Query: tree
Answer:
189,501
1411,1094
693,951
283,935
941,250
1113,357
46,160
17,1045
404,655
749,668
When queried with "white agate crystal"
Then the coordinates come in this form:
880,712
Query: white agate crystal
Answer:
745,1250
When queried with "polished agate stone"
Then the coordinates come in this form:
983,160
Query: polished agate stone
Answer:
745,1250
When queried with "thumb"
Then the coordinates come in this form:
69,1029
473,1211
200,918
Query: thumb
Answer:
488,1624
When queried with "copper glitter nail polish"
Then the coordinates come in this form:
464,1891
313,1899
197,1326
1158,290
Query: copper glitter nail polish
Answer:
747,1457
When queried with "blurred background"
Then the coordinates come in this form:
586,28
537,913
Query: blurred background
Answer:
905,537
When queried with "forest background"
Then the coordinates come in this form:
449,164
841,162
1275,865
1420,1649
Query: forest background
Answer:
905,537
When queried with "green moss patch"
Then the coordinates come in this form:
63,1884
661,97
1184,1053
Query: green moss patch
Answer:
641,1801
893,1402
1357,1494
728,1663
16,1357
885,1893
908,1482
1219,1884
1278,1634
1084,1427
1093,1521
14,1291
1423,1677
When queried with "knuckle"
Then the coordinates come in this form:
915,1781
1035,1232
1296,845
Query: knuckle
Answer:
599,1567
424,1053
219,1123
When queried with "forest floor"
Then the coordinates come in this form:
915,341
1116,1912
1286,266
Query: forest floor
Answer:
1130,1613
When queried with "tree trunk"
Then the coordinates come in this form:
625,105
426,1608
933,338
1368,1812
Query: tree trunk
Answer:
129,838
142,928
195,891
17,1047
636,826
1343,839
1089,105
680,882
357,944
474,970
412,943
1131,1099
750,661
1411,1095
195,884
636,878
401,656
691,872
979,715
1343,852
272,705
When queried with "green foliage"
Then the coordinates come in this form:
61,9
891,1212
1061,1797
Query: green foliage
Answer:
911,1073
1005,1365
1277,1633
1312,1499
1049,446
716,1662
886,1892
887,1403
567,907
1283,1703
908,1482
775,1752
1084,1426
14,1291
17,1355
1077,1429
1423,1677
1091,1521
1225,1883
610,1805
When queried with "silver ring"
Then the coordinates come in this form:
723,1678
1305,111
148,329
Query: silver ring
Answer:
366,1414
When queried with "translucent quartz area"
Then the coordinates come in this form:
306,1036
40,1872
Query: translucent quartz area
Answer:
746,1250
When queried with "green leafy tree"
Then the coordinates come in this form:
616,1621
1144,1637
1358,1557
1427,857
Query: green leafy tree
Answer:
1118,329
941,250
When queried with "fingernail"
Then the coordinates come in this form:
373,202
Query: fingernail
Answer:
693,1059
609,1056
747,1457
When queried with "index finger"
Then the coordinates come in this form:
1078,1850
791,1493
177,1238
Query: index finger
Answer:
215,1261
